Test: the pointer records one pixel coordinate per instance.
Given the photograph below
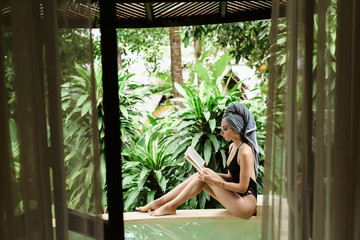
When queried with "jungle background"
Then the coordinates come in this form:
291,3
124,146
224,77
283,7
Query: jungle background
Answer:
188,73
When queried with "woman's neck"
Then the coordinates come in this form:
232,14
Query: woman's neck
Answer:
237,142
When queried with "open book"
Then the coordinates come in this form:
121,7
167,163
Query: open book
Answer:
194,158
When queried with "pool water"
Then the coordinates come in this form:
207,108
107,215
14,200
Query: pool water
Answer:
209,229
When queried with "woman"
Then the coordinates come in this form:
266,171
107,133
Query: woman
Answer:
236,190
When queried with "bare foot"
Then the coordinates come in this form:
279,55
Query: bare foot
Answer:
163,210
150,206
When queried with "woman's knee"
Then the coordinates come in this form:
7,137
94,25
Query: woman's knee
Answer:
195,175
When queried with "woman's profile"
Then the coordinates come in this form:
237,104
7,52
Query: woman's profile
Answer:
236,190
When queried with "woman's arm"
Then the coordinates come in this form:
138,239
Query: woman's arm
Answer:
245,158
226,176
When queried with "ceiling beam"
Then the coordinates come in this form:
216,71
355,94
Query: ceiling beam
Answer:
149,11
158,1
198,20
223,6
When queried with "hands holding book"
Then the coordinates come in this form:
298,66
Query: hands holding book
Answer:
205,174
208,175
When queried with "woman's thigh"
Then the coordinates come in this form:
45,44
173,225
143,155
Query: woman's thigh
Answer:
240,206
210,191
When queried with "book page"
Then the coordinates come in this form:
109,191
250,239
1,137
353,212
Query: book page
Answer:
194,158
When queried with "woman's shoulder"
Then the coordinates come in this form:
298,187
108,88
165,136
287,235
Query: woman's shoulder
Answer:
245,151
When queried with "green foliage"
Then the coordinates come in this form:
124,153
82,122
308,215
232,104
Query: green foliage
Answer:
77,105
152,154
201,116
155,164
200,120
9,71
247,40
164,84
149,169
76,102
144,42
74,47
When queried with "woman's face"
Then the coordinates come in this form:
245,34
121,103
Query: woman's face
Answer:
227,132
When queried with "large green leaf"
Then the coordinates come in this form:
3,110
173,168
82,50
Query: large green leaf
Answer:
130,164
196,138
215,142
81,100
150,196
128,179
86,108
181,90
131,199
207,151
143,177
221,65
185,124
202,199
223,156
158,175
201,72
181,147
89,174
13,130
212,124
124,111
163,184
207,115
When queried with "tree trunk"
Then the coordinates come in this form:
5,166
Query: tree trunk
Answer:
176,66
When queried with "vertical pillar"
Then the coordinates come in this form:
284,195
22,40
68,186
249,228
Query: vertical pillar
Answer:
115,228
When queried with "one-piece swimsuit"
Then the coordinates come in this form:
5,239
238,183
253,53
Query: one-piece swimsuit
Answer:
234,169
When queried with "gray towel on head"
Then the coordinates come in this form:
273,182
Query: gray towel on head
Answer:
239,118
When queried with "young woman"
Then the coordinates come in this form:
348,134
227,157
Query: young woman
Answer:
236,190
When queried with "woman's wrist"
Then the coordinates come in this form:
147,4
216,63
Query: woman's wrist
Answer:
221,183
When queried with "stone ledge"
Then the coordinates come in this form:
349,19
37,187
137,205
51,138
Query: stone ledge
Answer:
184,214
193,214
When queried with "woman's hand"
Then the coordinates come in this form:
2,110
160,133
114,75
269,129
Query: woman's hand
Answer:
208,175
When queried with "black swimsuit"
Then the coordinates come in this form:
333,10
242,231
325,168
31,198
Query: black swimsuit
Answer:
234,169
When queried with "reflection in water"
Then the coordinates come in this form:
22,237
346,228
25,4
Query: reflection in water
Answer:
194,229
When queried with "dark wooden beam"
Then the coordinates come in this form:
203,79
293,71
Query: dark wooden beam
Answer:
223,6
198,20
149,11
115,228
162,1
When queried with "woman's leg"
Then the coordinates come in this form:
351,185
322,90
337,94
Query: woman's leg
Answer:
167,197
242,207
193,188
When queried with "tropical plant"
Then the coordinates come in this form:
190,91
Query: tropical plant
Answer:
148,170
204,106
199,122
76,102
